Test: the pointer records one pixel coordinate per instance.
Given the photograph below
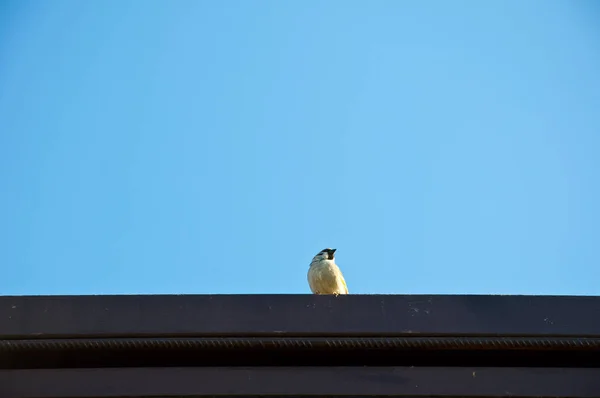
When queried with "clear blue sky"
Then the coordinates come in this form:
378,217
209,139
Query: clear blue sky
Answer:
216,146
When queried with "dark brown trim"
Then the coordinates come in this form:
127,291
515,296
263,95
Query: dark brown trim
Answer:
318,344
297,315
355,381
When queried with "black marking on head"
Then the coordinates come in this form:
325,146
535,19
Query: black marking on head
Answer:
329,252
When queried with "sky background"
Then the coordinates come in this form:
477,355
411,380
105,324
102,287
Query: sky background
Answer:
217,146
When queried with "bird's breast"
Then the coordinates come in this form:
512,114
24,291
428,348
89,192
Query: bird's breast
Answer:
325,278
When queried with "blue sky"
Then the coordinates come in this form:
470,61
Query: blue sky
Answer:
216,146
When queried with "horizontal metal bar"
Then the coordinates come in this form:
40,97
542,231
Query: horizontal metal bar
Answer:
330,344
299,351
344,381
297,315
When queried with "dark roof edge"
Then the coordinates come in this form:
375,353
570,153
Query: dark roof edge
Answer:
30,317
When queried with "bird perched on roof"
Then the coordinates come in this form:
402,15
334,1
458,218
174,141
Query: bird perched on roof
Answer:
324,276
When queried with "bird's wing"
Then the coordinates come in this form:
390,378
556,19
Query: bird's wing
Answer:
311,281
344,282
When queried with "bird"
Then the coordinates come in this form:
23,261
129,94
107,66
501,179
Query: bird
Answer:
324,276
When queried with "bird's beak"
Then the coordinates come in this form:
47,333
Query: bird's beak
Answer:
330,254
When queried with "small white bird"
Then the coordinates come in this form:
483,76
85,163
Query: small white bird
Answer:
324,276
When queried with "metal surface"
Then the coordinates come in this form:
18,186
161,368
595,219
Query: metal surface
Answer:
299,345
349,381
297,315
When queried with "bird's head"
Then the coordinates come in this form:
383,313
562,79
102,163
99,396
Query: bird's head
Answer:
325,254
